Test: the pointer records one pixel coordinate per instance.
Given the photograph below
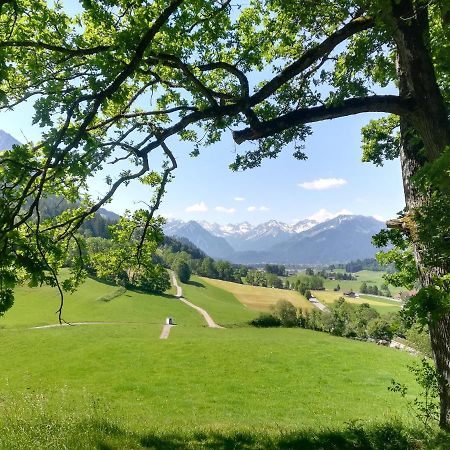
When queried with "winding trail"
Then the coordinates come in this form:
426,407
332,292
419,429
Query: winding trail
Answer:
317,304
179,294
165,331
71,324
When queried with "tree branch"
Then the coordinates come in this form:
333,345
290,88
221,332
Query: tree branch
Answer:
378,103
310,57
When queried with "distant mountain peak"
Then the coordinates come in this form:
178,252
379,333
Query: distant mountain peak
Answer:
340,239
7,141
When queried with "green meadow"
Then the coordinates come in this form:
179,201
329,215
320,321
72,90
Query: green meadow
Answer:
381,304
369,276
116,385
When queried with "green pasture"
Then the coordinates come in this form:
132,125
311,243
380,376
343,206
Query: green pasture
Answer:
382,305
369,276
117,385
222,306
37,306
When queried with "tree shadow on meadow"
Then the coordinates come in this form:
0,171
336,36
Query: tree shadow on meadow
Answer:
102,434
195,283
383,437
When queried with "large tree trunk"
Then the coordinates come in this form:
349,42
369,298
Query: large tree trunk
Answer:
411,161
417,79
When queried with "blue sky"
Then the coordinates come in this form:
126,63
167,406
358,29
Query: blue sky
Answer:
331,181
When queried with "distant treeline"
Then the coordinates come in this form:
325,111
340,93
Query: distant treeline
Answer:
361,264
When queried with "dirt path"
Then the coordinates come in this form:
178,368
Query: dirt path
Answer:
165,331
71,324
317,304
179,294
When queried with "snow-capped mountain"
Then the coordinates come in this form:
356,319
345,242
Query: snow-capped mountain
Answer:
304,225
341,239
247,237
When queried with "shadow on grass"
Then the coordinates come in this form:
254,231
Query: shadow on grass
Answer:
384,437
195,283
101,434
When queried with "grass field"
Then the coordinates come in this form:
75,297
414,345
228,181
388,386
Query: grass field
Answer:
260,298
383,306
369,276
220,303
118,386
37,306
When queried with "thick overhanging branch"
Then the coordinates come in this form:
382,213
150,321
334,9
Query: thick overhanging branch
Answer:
378,103
310,57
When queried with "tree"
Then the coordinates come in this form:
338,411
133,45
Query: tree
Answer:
114,84
115,259
182,270
363,288
286,312
207,268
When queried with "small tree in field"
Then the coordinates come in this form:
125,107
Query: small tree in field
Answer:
183,271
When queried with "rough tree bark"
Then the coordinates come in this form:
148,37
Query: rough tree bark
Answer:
417,79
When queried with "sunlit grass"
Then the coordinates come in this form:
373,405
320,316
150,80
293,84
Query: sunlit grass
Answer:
117,385
260,298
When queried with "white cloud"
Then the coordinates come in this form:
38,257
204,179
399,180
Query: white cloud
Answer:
197,207
257,208
239,199
323,183
225,210
323,214
378,217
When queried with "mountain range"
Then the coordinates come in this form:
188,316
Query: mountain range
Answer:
338,240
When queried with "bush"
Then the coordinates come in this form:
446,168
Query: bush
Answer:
266,320
380,329
286,312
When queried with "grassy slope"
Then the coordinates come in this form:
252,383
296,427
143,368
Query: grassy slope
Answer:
260,298
37,306
223,306
203,377
231,379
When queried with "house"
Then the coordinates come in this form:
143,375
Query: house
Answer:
405,295
350,294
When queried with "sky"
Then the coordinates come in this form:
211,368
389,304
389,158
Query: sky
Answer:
332,181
